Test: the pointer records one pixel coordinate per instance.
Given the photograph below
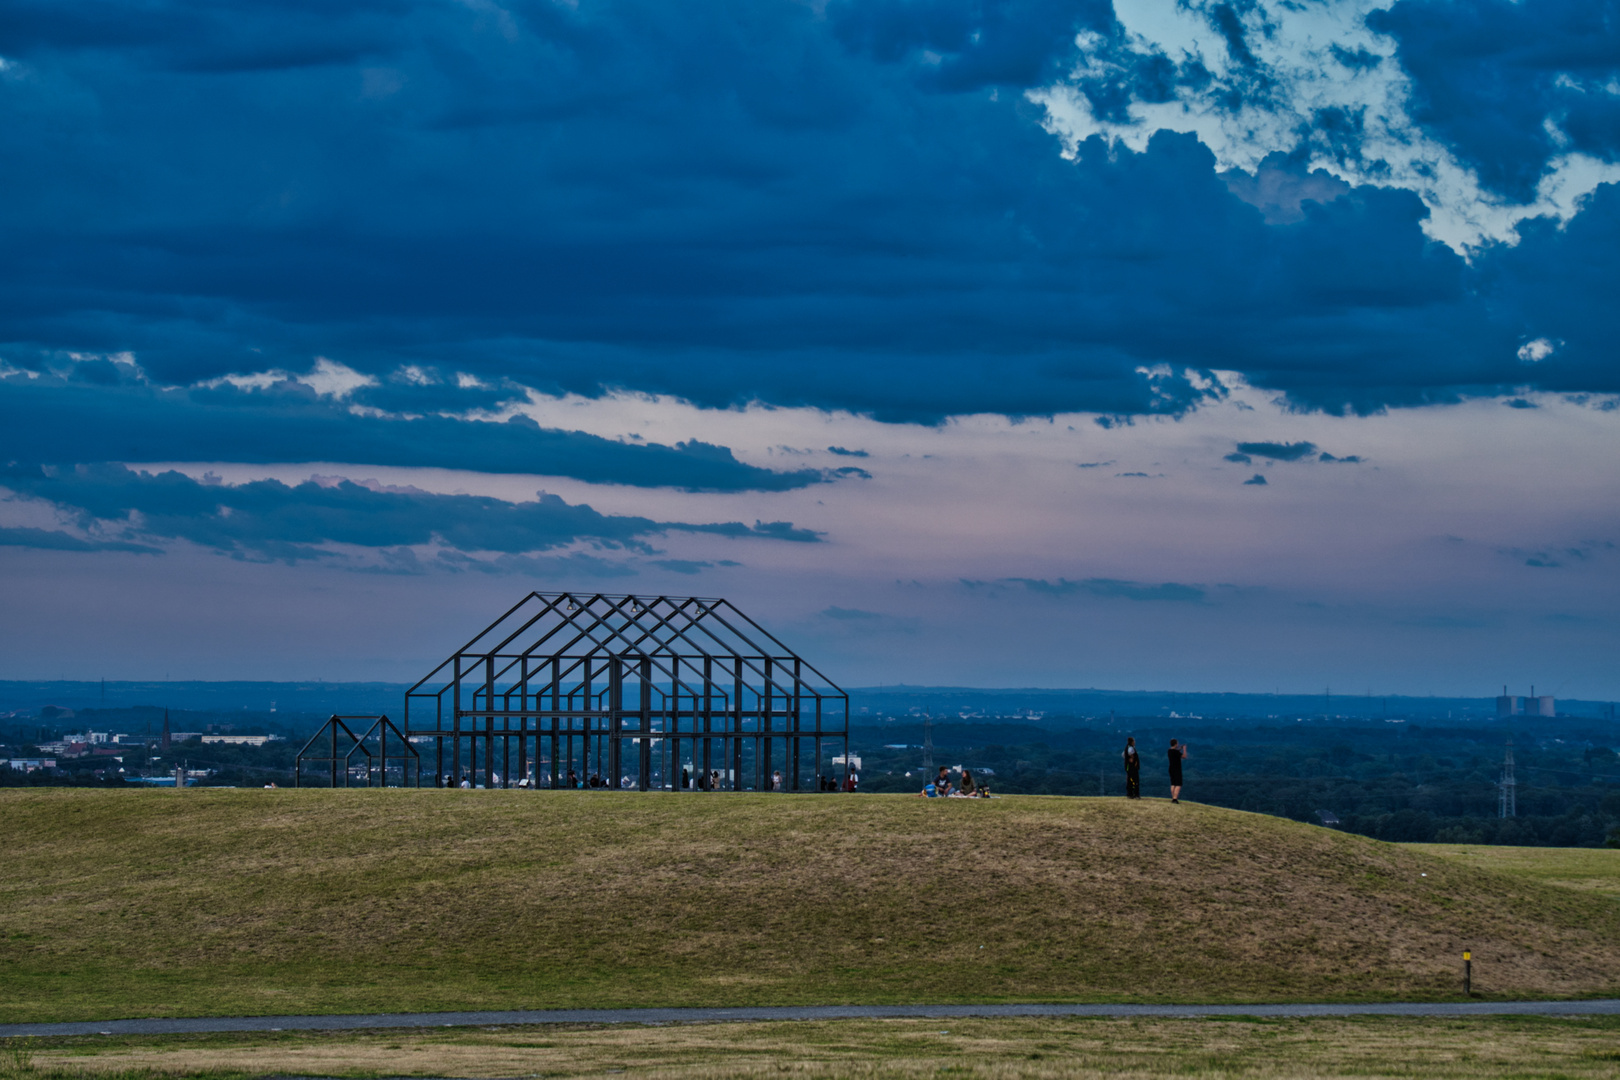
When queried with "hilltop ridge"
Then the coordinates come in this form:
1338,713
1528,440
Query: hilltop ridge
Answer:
252,901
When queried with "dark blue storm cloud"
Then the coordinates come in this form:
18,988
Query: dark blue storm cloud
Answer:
126,510
58,540
731,200
1275,451
1491,74
55,421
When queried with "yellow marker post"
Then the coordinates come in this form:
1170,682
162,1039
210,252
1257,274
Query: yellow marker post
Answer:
1468,973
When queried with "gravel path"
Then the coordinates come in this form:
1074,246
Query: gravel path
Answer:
169,1026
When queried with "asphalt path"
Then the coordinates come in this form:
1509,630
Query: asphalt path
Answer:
180,1026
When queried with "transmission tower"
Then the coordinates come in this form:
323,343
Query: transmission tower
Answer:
1508,804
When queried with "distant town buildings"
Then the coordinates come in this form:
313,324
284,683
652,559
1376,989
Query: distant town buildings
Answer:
113,745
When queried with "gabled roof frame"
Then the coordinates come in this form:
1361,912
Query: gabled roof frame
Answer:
701,672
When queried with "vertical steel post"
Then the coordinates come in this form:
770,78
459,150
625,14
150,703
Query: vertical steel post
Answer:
793,721
767,727
737,739
489,721
523,723
586,703
708,716
615,718
670,761
455,733
645,777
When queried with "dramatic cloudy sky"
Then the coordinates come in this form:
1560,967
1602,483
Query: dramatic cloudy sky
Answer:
1245,344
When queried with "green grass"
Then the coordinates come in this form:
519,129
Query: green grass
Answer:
1587,869
1529,1047
250,902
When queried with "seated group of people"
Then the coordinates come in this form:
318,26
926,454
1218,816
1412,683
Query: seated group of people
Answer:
940,787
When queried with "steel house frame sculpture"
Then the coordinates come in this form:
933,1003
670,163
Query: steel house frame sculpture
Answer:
646,692
343,763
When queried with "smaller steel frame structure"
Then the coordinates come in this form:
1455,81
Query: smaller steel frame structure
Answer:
645,692
341,744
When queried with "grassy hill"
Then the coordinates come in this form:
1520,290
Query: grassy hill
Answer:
253,901
1588,869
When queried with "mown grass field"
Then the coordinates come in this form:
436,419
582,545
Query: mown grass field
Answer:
1232,1049
1588,869
251,902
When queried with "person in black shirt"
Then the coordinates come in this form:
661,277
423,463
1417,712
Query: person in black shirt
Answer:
1133,770
1178,753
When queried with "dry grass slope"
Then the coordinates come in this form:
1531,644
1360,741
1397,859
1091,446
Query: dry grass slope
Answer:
244,902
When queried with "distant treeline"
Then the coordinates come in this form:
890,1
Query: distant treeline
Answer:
1403,781
866,703
1395,781
313,698
985,705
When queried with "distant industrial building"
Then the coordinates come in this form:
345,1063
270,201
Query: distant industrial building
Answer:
1513,705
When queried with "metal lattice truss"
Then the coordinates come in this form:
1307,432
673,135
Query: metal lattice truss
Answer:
679,693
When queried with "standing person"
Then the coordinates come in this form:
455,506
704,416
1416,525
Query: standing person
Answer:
1133,769
1178,754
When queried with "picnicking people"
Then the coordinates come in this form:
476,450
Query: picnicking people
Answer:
941,787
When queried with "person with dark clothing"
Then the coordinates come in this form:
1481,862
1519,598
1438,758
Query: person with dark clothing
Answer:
1133,770
1178,753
